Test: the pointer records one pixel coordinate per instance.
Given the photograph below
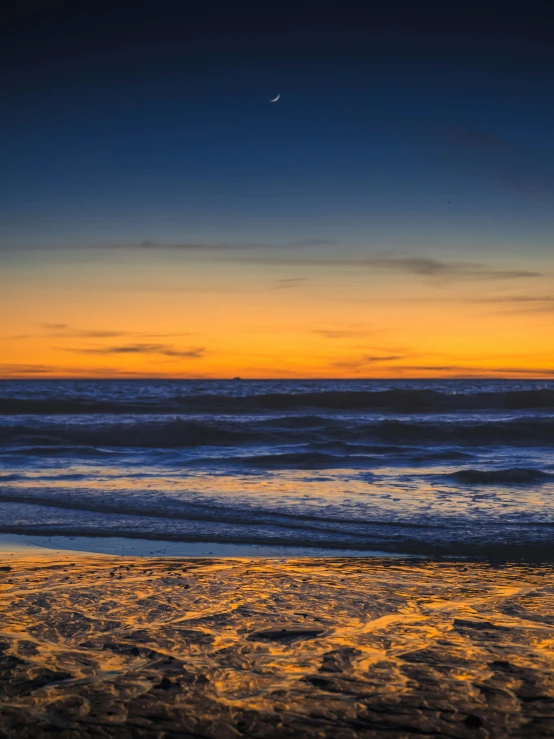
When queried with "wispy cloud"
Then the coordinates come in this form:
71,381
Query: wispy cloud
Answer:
228,246
517,299
166,350
521,303
474,138
462,370
419,266
365,364
21,370
364,361
515,303
314,242
183,246
26,369
439,368
288,282
54,326
95,334
386,358
522,168
66,330
99,334
342,333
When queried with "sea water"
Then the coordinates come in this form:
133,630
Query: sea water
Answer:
449,468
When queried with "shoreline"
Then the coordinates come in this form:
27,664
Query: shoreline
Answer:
136,547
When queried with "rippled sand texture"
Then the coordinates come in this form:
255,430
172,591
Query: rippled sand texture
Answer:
105,647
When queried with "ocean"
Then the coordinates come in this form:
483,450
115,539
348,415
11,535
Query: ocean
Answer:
445,468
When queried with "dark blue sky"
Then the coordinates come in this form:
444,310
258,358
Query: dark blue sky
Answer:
399,123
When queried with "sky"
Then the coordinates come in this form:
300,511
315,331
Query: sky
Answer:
391,215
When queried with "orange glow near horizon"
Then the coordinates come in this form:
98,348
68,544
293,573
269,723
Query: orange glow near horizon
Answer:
191,319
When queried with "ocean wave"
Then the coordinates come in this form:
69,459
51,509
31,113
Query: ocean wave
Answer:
216,461
292,460
538,431
163,506
514,475
354,460
443,455
148,514
163,433
400,400
167,433
56,450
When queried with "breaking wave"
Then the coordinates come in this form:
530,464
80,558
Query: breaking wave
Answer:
52,512
514,476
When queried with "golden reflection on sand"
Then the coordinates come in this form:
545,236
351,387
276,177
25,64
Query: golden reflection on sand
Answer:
125,647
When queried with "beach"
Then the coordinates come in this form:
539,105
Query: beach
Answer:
104,646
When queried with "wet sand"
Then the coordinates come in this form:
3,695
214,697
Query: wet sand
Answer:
103,646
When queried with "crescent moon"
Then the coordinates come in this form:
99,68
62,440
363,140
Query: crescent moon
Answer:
275,99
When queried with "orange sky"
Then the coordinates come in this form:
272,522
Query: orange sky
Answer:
175,314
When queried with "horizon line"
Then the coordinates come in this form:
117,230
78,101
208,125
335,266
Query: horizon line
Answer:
457,378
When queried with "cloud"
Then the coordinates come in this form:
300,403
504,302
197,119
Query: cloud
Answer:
16,370
473,138
478,371
315,242
517,299
226,246
166,350
69,331
440,368
179,246
26,369
524,169
364,361
522,303
418,266
98,334
66,329
183,246
288,283
358,366
389,358
342,333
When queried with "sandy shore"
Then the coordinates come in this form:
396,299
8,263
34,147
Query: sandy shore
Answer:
100,646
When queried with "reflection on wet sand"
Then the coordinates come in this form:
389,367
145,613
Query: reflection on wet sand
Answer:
99,646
